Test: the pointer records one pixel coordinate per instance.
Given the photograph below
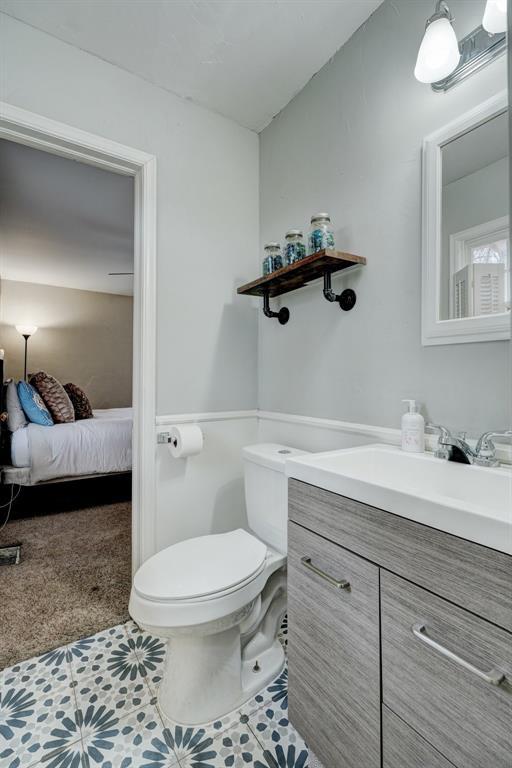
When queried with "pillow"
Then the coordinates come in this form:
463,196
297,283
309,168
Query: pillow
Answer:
33,405
15,415
81,404
55,397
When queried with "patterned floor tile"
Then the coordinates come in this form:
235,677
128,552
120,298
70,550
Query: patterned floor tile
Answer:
89,656
276,693
32,727
137,740
150,652
278,737
40,675
120,696
212,728
236,748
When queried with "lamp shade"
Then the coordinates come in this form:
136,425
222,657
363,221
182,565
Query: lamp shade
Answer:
439,52
26,330
495,16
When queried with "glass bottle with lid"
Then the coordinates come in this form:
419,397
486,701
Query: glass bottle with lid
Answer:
273,259
321,234
294,248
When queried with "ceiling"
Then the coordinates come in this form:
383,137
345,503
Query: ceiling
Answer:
245,59
63,222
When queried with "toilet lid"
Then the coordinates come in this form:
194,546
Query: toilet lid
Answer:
200,567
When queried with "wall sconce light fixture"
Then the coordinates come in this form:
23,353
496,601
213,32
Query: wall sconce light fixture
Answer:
443,61
26,331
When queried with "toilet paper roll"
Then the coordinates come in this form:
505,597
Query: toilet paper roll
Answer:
185,440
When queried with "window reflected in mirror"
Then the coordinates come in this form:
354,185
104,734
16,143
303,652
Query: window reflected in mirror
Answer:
475,236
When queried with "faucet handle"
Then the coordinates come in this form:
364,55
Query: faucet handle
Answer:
485,448
442,451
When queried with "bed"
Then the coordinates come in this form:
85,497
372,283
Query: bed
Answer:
98,446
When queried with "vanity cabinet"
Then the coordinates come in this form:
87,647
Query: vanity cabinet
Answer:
334,657
400,639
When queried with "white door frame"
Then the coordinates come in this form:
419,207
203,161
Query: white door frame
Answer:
34,130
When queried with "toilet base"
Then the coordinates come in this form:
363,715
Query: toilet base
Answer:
205,678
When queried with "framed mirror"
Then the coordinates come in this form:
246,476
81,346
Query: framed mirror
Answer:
466,229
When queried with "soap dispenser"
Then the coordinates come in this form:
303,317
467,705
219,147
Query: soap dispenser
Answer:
413,429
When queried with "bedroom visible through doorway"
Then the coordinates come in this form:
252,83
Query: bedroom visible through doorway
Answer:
66,331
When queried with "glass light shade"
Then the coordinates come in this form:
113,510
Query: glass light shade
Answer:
26,330
495,16
439,52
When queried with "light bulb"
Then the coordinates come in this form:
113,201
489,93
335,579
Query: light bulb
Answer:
495,16
26,330
439,52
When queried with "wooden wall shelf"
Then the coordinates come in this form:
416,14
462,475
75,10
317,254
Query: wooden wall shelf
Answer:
297,275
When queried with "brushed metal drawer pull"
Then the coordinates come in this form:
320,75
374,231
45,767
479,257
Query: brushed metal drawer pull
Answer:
338,583
494,676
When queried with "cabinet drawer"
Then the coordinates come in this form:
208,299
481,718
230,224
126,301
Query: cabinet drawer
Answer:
333,652
403,748
468,574
441,691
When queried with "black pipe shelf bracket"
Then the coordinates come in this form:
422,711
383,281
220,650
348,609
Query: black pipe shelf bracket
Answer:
297,275
346,299
283,315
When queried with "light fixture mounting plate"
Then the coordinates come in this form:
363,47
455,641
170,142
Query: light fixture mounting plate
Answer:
477,50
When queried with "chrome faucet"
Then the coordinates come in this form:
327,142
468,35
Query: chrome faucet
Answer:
457,449
486,450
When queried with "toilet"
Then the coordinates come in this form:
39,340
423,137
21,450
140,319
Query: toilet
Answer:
220,599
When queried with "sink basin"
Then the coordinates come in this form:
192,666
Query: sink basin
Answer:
468,501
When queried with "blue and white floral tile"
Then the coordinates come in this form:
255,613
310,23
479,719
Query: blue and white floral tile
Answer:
276,693
90,655
33,726
236,748
278,737
136,740
150,651
122,697
182,735
40,675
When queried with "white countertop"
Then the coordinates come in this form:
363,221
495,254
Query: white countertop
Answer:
472,502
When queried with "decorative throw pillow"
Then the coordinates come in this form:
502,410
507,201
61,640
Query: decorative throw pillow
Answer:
55,397
15,415
33,405
81,404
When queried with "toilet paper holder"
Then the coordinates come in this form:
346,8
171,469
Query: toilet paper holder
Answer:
165,437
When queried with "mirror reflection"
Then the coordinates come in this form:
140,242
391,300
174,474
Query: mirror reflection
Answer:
475,237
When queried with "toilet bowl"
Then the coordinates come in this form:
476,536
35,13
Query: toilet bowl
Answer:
219,600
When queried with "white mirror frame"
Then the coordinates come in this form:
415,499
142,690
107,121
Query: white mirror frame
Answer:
460,330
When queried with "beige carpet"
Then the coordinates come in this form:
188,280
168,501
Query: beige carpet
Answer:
73,580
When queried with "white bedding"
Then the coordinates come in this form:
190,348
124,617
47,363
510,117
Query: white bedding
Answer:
99,445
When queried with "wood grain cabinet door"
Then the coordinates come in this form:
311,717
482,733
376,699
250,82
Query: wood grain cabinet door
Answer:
333,651
404,748
448,674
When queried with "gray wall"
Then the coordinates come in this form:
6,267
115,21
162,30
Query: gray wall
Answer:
350,143
83,336
207,216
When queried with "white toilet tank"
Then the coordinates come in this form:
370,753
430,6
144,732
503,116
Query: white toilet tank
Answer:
266,491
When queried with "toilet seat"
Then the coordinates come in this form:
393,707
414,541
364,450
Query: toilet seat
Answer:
201,568
156,603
